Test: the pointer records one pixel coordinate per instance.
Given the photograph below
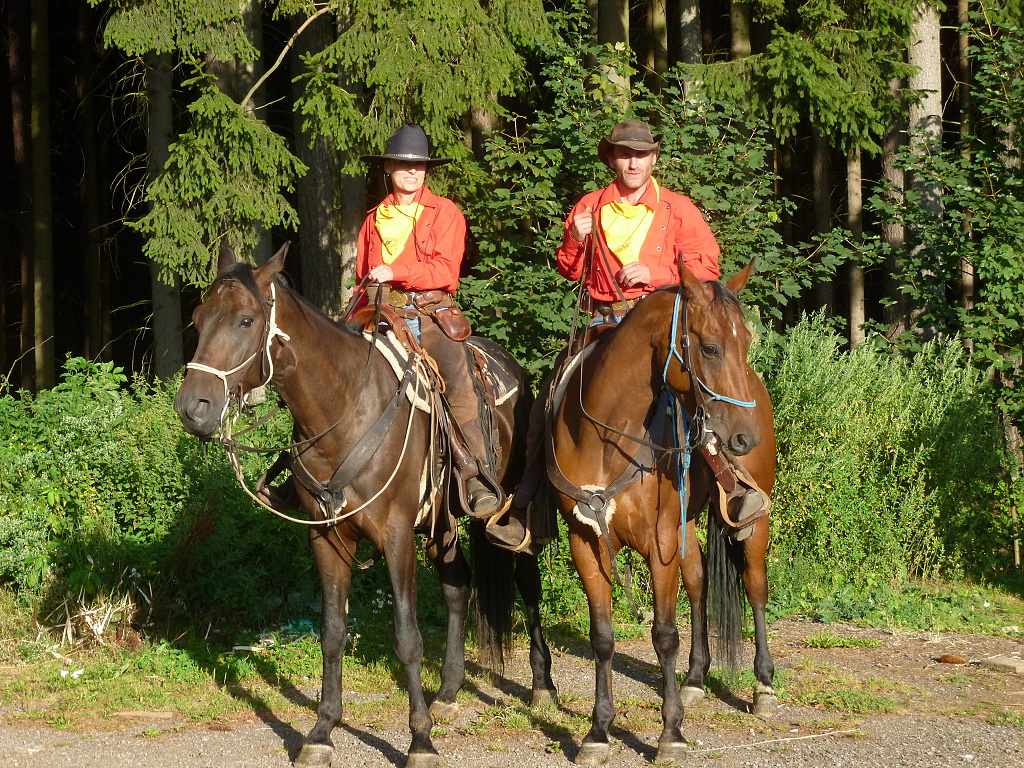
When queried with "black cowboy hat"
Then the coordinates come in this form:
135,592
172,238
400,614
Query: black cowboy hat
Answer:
634,134
409,144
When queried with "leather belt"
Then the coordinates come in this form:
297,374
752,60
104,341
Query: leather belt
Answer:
401,299
608,308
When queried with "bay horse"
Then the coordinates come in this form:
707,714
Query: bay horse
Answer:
689,343
254,329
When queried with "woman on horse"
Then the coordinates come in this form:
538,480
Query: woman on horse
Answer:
633,232
413,242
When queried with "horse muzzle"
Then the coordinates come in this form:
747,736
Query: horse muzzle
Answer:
199,415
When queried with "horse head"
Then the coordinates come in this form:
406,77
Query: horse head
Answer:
236,325
705,359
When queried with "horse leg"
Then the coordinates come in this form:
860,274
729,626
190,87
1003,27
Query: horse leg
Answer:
696,590
400,550
335,568
528,582
665,638
755,581
454,576
592,564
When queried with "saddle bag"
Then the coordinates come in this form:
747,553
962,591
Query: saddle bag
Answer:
445,312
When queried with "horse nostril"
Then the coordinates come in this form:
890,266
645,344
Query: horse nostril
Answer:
741,443
197,409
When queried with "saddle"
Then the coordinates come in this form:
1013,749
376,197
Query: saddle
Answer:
384,313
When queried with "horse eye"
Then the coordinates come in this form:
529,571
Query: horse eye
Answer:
710,350
246,322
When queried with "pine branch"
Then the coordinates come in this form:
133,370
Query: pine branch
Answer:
280,58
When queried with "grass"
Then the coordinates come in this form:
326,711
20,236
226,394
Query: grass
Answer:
828,639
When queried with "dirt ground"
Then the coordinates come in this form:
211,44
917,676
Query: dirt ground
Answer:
887,702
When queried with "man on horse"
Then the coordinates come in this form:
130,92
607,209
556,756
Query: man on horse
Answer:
411,245
625,241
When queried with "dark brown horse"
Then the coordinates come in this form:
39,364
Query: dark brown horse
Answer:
689,343
253,328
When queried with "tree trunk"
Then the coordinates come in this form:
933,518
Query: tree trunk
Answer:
167,344
326,238
691,42
739,22
42,212
613,27
659,40
17,55
964,94
926,114
892,231
88,191
821,171
855,222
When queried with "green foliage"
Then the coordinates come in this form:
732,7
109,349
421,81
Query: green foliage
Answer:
444,59
889,468
193,28
983,200
103,480
226,175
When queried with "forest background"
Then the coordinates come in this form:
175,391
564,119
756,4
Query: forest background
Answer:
866,152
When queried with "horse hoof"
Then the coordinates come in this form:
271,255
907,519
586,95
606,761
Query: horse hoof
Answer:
765,702
422,760
443,711
315,755
592,753
671,752
691,695
544,697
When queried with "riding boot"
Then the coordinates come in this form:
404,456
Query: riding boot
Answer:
511,532
482,500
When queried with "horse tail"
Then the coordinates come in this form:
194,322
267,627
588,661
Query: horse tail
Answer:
725,593
494,592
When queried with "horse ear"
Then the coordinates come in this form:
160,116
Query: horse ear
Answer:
226,257
739,280
273,266
690,283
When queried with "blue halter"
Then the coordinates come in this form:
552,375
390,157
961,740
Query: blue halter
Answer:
684,451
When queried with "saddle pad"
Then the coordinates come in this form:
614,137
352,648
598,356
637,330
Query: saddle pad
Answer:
504,381
397,356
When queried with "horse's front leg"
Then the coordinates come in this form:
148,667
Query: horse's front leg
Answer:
332,551
755,581
453,572
528,582
665,638
696,590
594,568
400,550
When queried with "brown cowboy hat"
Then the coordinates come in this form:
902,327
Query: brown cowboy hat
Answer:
634,134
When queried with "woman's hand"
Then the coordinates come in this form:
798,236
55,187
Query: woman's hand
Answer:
381,274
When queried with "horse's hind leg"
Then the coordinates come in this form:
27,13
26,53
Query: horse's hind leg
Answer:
755,581
333,555
528,582
454,574
665,638
592,564
696,590
400,550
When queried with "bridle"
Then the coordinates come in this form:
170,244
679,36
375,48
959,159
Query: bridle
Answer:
271,330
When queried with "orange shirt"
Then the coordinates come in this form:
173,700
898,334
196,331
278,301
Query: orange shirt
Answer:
678,228
432,256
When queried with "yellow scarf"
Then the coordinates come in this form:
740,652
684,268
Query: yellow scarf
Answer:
625,226
394,225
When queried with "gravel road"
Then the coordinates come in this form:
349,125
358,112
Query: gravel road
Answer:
888,705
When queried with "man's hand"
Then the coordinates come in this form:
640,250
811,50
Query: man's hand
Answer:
583,224
381,274
634,274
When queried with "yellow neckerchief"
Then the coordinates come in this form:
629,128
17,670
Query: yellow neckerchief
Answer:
625,226
394,225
